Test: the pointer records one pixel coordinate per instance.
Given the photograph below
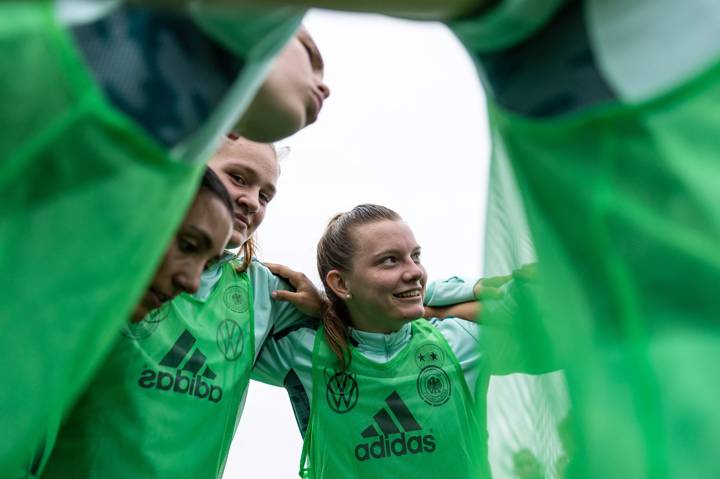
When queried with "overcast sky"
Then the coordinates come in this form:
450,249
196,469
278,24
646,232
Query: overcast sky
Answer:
404,127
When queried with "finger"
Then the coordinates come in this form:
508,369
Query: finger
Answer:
523,275
282,270
526,273
279,269
283,295
495,281
490,293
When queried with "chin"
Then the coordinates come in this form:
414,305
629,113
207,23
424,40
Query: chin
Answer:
309,120
236,241
139,313
410,316
276,126
287,128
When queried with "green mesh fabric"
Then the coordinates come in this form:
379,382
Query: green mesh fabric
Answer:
619,206
88,205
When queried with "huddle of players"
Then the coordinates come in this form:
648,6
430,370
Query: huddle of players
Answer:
119,140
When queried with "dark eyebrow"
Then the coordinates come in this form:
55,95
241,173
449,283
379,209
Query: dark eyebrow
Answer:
242,169
252,176
385,252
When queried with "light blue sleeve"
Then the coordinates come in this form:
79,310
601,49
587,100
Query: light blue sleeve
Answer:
271,316
285,351
280,342
284,314
463,337
273,363
450,291
286,360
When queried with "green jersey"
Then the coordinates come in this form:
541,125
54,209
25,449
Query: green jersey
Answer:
287,359
412,416
170,393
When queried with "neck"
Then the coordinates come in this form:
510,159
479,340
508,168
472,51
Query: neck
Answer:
383,326
381,347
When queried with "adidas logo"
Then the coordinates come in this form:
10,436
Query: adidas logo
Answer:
403,427
192,383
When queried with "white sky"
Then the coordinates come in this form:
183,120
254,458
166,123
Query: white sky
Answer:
404,127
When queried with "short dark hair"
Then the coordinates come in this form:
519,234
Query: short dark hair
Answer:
212,183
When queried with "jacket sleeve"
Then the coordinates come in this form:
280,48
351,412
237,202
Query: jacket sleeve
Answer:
450,291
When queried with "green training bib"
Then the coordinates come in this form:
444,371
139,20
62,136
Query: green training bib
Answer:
410,417
606,112
89,204
165,402
630,296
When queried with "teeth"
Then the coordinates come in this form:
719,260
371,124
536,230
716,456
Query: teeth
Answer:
409,294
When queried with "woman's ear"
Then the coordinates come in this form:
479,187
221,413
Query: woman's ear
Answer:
336,282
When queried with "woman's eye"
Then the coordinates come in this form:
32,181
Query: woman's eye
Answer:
186,246
389,260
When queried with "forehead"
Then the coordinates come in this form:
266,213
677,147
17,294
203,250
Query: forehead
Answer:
373,238
209,216
257,157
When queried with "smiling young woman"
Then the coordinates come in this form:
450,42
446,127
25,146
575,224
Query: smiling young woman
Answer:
373,359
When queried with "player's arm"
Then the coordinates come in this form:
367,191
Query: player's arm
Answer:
457,297
296,308
274,362
468,311
304,295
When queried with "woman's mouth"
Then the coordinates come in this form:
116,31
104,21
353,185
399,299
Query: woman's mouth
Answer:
409,294
316,107
157,298
241,221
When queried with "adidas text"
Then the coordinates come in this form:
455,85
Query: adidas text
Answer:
180,384
400,446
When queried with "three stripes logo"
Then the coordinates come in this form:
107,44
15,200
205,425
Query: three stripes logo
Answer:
187,378
397,437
